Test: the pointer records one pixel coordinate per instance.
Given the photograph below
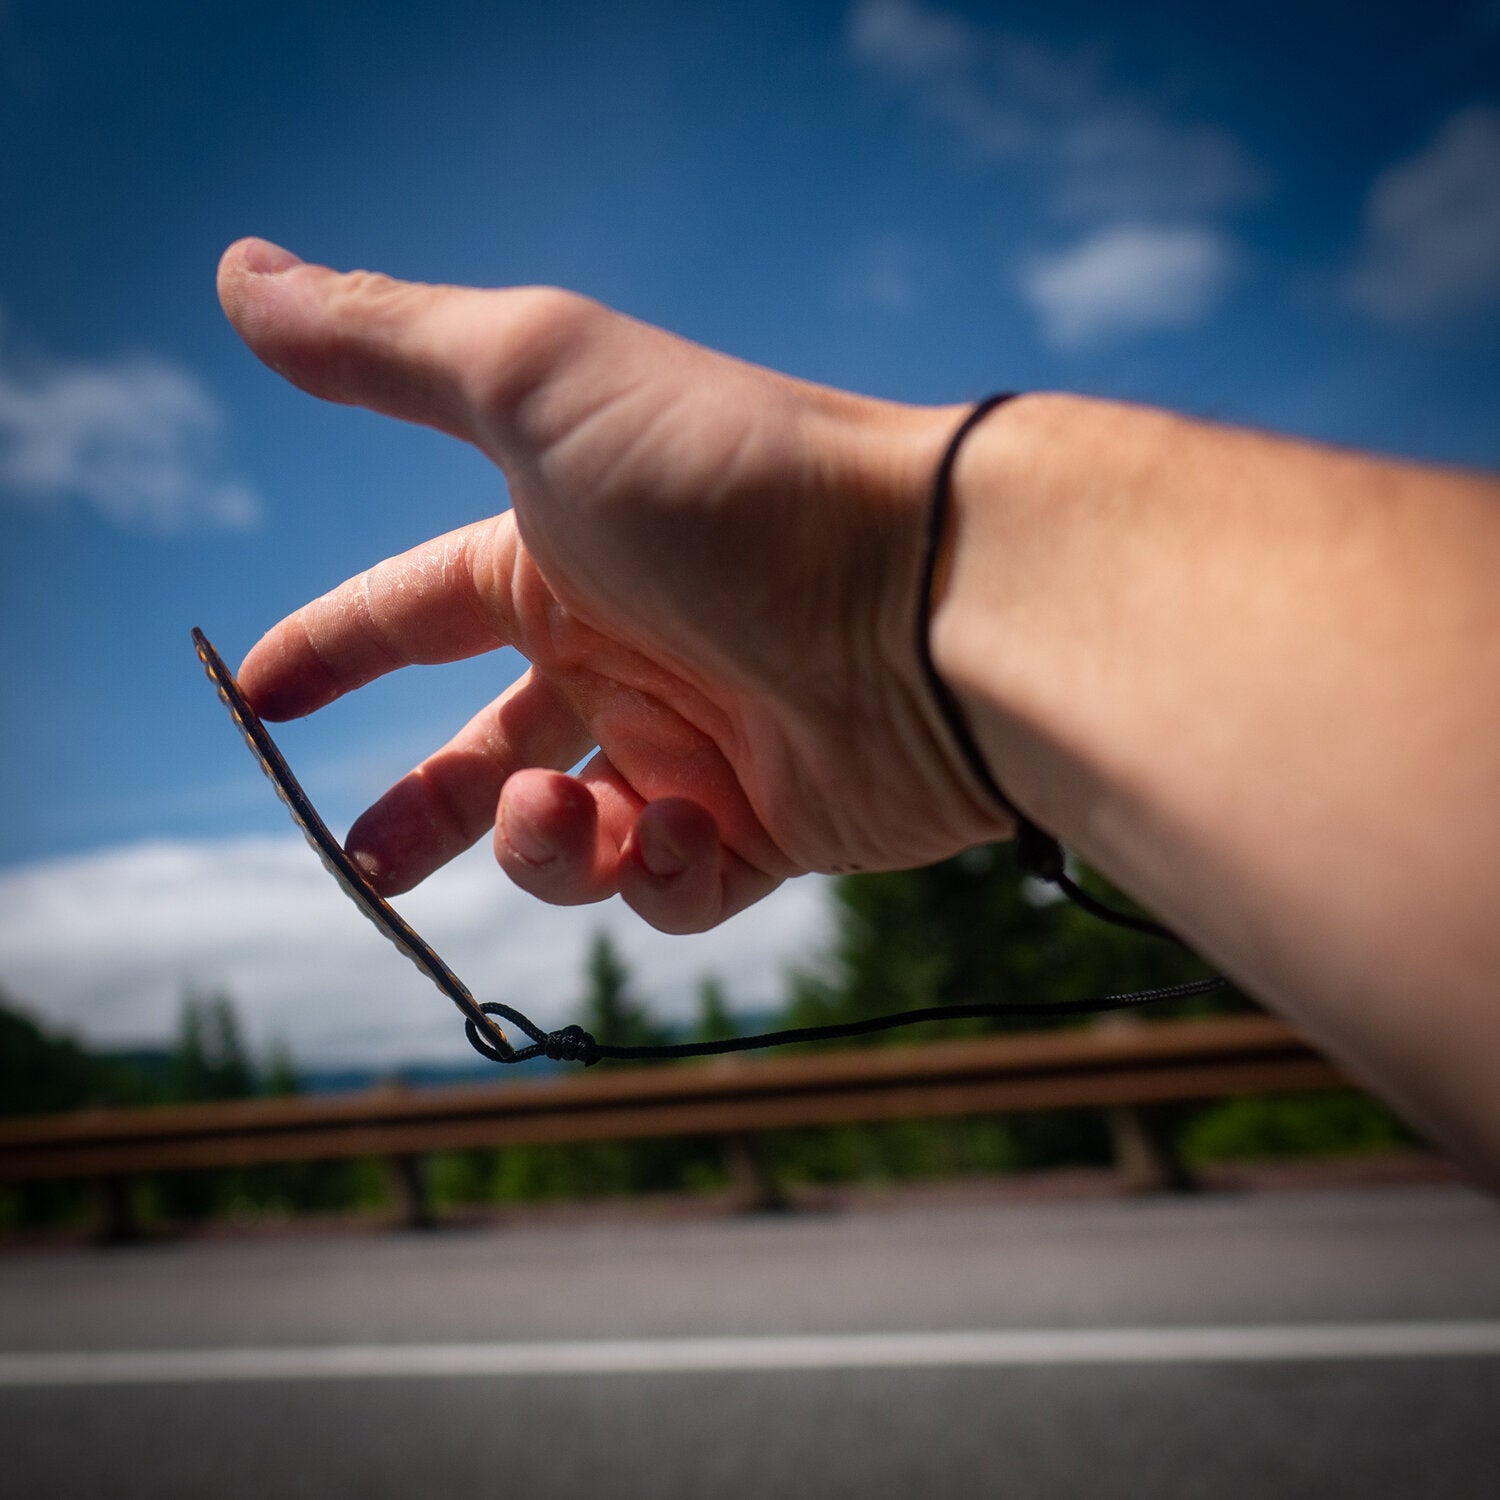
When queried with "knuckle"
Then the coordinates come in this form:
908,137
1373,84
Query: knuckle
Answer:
359,310
538,328
550,311
366,292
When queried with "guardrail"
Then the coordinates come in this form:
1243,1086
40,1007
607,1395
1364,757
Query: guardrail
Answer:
1110,1066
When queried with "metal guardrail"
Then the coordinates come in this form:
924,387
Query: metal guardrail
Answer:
1099,1067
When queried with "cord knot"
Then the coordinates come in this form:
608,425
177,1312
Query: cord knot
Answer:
571,1044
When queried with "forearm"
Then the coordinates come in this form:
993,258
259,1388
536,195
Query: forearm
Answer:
1257,683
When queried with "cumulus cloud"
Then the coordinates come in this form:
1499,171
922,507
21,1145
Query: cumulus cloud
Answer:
1431,247
882,273
104,944
1102,151
1128,279
136,438
1124,159
910,41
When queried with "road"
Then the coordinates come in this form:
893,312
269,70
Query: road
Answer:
1299,1344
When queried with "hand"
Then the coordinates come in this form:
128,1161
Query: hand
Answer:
712,570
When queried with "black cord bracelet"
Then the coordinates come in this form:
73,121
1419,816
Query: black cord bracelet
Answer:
939,513
1038,853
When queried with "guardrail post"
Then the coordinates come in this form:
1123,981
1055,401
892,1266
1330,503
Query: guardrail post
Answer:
752,1183
118,1224
408,1179
1145,1156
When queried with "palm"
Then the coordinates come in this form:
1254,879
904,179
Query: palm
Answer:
658,734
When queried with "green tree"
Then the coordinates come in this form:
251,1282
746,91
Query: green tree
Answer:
610,1011
715,1021
281,1076
616,1016
969,930
40,1073
209,1060
972,929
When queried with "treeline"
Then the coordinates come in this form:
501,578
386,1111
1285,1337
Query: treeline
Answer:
969,929
41,1074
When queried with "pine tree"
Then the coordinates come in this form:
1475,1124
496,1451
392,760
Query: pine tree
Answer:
715,1022
209,1060
610,1011
40,1072
281,1078
974,929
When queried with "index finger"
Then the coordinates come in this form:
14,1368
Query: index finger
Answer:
427,605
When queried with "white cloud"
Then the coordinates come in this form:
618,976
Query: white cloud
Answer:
1123,159
135,438
1128,279
883,274
103,944
1102,150
1431,245
910,41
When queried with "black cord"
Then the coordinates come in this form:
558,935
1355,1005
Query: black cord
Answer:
1038,854
574,1044
937,528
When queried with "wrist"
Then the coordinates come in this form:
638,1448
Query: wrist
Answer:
936,558
988,626
938,721
877,462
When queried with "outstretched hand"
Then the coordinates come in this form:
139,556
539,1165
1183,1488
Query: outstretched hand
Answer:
711,568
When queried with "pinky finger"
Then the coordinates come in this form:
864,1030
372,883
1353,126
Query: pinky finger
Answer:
676,874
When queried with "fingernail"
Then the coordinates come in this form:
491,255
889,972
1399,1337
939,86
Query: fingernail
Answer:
367,865
266,259
526,838
660,855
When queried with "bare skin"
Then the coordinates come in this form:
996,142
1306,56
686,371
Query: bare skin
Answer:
1254,681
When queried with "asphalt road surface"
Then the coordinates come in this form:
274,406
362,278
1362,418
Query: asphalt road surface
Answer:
1304,1344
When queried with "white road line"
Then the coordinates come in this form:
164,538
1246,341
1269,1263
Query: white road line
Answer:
856,1351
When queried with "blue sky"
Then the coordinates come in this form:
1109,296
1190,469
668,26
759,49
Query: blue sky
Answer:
1285,215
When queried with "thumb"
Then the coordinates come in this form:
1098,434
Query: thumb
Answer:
402,348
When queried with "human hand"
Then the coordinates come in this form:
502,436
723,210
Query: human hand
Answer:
711,568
